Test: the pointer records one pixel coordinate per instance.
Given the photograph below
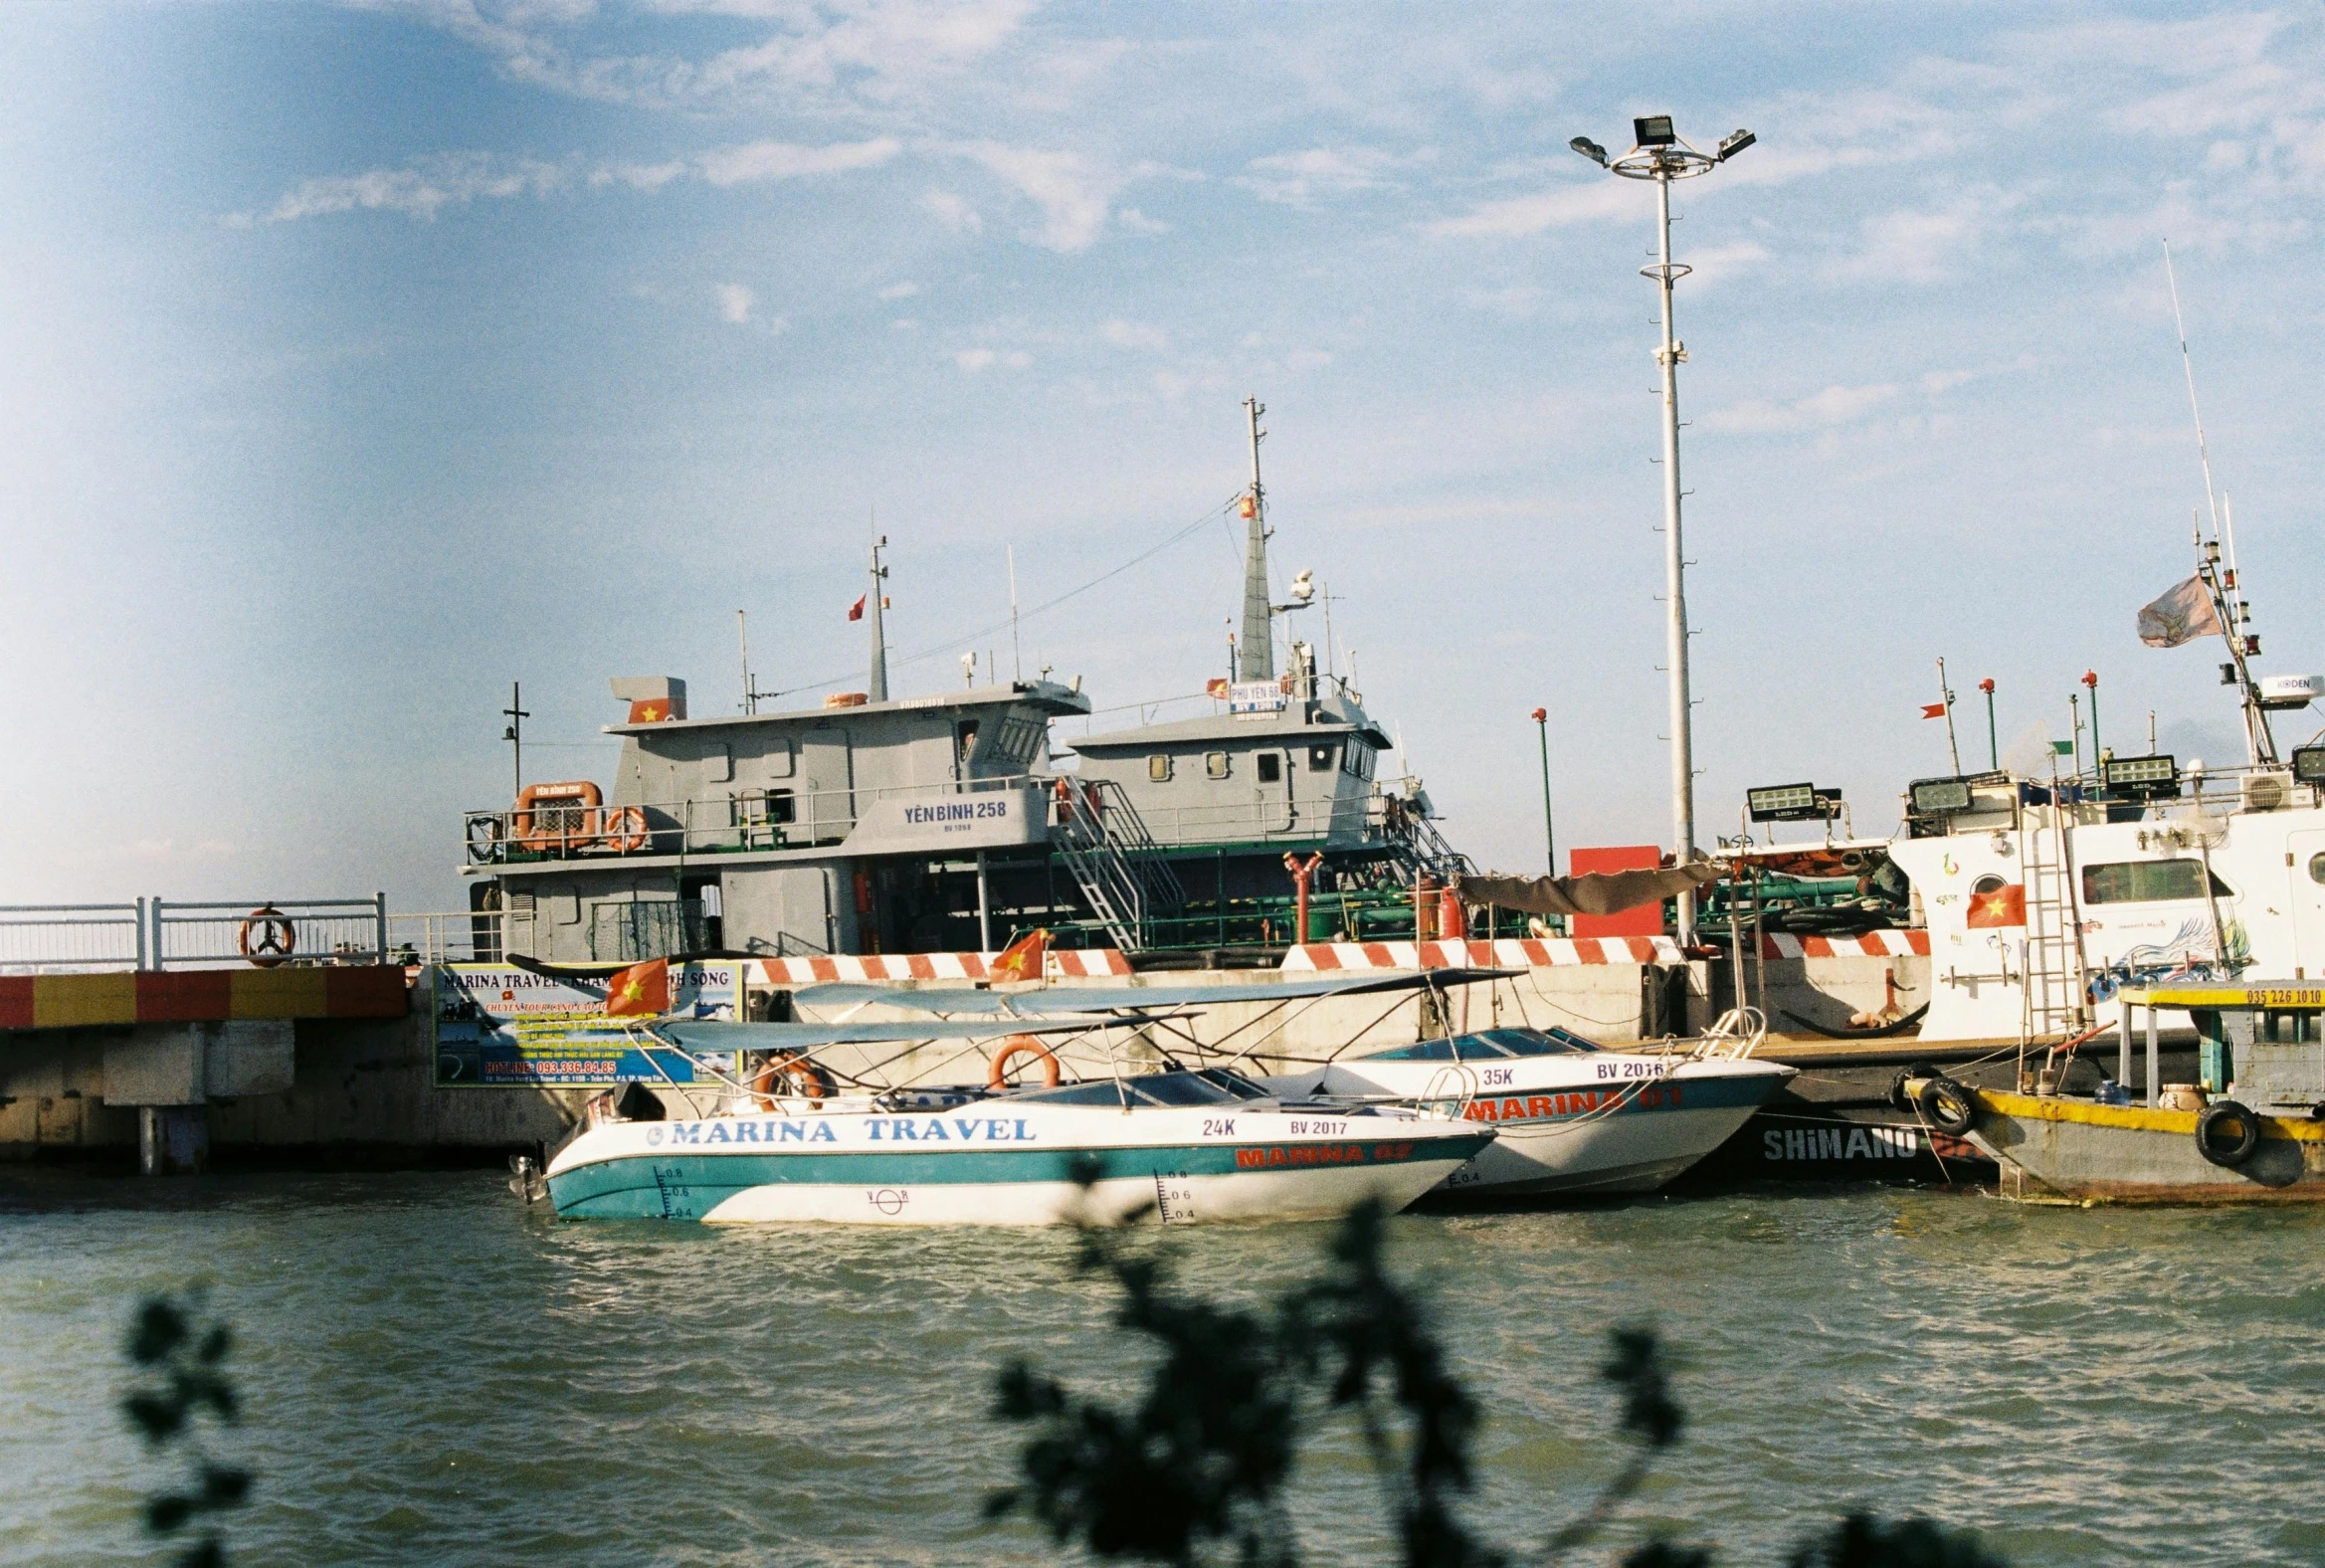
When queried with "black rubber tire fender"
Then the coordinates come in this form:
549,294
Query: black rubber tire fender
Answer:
1947,1105
2244,1144
1898,1097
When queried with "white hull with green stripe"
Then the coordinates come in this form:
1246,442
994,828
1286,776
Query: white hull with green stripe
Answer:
1035,1158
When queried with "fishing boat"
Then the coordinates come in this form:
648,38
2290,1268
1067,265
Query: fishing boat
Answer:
1573,1115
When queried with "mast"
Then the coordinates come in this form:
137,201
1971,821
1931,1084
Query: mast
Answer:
877,683
1256,656
1675,570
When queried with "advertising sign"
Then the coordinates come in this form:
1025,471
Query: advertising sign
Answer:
500,1027
1257,696
974,820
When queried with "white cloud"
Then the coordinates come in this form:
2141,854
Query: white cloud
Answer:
1515,217
951,211
1914,246
1716,263
735,302
1073,193
784,160
1133,334
974,360
420,190
898,291
1835,405
638,176
1300,179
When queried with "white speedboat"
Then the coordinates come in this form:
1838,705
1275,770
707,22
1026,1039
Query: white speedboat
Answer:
1574,1117
1173,1146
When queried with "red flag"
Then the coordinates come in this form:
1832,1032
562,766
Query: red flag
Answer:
856,610
641,990
1998,907
1021,959
1215,688
1933,710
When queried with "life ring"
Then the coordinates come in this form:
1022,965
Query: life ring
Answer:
544,818
267,938
1017,1046
624,829
812,1081
2243,1142
1950,1108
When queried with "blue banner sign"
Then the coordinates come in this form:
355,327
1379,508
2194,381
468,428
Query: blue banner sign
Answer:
500,1027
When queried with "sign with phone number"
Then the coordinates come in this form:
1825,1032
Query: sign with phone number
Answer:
500,1027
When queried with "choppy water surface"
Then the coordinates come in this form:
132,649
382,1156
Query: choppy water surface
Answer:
434,1375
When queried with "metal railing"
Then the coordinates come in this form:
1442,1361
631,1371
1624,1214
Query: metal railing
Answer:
36,937
450,936
269,932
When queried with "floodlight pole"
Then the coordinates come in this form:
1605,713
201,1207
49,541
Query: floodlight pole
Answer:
1662,156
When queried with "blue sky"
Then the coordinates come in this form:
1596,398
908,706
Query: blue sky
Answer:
359,359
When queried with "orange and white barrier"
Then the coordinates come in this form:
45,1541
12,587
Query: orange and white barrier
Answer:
1067,963
1526,954
1873,944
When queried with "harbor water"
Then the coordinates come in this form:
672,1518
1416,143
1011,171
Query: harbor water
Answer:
434,1374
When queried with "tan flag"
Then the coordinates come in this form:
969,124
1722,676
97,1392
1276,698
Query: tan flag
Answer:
2181,616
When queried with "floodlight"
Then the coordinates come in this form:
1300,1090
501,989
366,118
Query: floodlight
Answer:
1939,797
1654,130
1735,144
2140,778
1783,803
1589,149
2309,764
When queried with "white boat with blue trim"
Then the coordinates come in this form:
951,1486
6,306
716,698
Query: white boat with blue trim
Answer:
1574,1117
1175,1146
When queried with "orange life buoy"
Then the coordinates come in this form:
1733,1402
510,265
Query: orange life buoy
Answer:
562,816
268,936
812,1081
625,829
1017,1046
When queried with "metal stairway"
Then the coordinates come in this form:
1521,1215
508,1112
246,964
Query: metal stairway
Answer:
1114,859
2054,1004
1422,851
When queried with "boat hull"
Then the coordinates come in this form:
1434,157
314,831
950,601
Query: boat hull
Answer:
1043,1175
2075,1149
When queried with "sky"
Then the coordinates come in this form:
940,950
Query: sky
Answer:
358,360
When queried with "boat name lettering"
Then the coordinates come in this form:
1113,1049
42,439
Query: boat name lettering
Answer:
1497,1075
1543,1107
1859,1143
1624,1070
1319,1154
1329,1129
774,1129
956,811
1218,1129
933,1130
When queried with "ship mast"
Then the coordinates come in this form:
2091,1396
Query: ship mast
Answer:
1256,657
877,683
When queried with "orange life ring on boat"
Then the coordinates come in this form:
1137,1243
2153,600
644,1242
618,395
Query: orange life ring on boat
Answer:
1017,1046
625,829
267,938
814,1083
544,816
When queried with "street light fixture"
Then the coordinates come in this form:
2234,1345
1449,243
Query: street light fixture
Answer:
1662,157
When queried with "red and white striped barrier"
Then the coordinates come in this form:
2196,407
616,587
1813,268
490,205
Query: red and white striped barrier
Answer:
1528,953
1873,944
1075,963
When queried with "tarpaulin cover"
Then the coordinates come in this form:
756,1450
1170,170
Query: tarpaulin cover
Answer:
1597,893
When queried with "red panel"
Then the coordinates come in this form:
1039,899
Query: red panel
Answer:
191,996
368,992
15,1001
1645,920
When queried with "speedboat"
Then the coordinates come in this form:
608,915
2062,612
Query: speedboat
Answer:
1173,1146
1574,1117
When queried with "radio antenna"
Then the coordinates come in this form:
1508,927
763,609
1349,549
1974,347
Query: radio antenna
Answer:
2187,364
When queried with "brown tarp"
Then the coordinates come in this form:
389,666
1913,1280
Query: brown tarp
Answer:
1599,893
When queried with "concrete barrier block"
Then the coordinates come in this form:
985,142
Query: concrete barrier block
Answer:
155,1064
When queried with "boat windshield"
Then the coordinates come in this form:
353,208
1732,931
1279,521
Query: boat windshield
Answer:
1490,1045
1208,1087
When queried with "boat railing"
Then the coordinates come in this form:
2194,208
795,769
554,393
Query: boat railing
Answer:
68,937
1733,1037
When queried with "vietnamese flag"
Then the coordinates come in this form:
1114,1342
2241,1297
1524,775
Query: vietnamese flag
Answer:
1933,710
1021,959
856,610
1998,907
641,991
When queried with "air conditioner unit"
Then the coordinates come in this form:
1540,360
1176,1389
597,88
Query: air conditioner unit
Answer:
2264,791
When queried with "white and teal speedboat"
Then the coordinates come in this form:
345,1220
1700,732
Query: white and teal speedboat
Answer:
1174,1146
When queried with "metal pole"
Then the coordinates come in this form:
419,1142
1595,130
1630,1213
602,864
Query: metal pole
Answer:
984,909
2154,1072
2091,680
2123,1044
1945,691
140,933
155,950
1549,827
1674,575
379,908
1993,743
1258,661
875,602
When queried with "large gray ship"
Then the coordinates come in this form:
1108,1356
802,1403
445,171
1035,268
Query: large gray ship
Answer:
876,823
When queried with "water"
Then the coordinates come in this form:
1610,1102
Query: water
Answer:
434,1375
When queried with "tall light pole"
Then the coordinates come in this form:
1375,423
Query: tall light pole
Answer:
1549,828
1660,156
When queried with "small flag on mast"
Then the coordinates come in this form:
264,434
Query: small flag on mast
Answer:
1020,960
2183,615
641,990
1933,710
856,610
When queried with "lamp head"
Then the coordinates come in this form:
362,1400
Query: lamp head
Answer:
1654,130
1589,149
1986,685
1735,142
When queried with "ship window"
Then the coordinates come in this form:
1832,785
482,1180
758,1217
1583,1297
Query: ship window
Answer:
1320,758
1538,1043
1181,1089
1214,766
2149,881
1270,767
1993,883
1357,759
1106,1094
1158,767
1425,1050
2317,867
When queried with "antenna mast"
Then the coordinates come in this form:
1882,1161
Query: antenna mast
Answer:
877,687
1017,652
1257,658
